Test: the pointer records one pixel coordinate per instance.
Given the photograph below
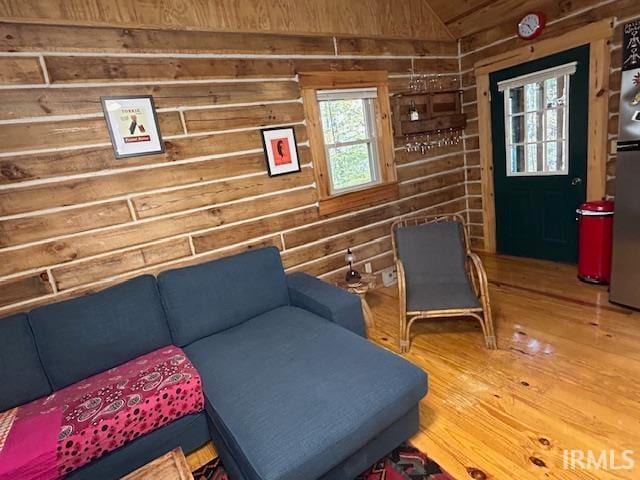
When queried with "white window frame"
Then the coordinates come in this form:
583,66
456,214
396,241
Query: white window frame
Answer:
368,96
505,86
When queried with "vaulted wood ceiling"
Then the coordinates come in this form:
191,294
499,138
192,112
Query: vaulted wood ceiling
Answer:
464,17
470,17
372,18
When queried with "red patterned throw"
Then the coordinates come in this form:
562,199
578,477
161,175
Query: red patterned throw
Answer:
103,412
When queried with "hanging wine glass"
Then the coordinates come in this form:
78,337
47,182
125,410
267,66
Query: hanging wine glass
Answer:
412,80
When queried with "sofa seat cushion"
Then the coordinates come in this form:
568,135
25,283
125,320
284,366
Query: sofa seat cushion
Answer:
189,433
293,394
105,411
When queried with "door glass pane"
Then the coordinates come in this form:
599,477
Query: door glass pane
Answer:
554,123
516,157
517,129
533,159
350,166
554,92
533,96
516,100
534,127
554,156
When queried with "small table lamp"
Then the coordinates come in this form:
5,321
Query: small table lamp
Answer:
352,276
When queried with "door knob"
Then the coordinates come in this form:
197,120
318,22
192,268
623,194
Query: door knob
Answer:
576,181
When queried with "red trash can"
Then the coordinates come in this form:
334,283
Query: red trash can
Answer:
595,230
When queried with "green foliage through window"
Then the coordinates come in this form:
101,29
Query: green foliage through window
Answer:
350,142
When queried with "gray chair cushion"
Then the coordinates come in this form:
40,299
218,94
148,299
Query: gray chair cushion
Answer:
207,298
22,377
81,337
294,394
433,257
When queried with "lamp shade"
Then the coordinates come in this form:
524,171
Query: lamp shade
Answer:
349,257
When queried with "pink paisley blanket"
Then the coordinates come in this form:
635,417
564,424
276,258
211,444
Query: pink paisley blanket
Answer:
52,436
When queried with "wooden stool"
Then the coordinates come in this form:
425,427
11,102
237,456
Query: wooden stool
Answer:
170,466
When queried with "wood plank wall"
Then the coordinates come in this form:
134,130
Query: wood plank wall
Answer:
74,219
562,17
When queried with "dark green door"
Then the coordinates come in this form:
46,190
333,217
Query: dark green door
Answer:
540,154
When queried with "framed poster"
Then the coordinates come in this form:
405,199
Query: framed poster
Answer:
280,150
133,125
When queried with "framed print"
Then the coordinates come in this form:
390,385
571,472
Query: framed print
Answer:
280,150
133,125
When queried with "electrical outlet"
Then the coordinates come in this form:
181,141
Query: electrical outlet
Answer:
367,267
389,276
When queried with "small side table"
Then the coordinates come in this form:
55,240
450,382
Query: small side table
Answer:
170,466
367,282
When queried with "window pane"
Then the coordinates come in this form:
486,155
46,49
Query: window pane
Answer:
344,121
554,123
533,96
554,92
517,158
327,123
517,129
534,160
516,100
555,157
534,127
350,166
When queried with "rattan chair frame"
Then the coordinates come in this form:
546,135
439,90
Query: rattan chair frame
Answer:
475,272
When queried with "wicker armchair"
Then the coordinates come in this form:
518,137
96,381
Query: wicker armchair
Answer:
438,275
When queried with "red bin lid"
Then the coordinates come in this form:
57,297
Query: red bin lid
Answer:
598,206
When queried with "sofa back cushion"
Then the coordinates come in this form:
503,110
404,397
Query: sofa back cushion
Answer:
204,299
87,335
22,377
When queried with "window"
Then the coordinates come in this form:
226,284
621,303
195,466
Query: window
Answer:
537,122
349,128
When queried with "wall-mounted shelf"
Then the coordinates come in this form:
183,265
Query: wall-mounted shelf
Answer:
437,111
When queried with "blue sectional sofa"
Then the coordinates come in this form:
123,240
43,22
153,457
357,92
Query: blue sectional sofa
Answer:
292,389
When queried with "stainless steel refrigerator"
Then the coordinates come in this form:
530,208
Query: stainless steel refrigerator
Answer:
625,274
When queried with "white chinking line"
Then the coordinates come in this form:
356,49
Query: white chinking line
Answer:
204,254
177,262
214,228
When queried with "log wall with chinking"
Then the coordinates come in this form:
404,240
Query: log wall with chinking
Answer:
74,219
562,17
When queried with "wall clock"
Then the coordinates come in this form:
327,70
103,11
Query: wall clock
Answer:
531,25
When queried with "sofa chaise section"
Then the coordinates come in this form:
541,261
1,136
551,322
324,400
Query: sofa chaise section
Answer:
292,390
293,395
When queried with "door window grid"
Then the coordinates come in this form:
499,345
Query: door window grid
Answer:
349,128
537,126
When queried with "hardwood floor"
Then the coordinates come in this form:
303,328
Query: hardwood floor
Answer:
565,377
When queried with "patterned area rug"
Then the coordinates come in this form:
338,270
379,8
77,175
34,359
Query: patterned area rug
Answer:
404,463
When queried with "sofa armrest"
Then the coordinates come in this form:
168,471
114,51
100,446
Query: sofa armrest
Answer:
326,300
